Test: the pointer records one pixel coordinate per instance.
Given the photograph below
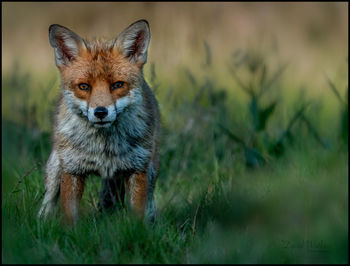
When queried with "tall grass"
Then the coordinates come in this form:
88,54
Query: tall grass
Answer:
240,181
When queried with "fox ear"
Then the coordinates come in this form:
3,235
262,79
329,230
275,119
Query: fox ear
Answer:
67,44
133,42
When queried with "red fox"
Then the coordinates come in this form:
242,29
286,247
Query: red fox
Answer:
106,123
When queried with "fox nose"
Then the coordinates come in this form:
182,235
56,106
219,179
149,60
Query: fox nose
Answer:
101,112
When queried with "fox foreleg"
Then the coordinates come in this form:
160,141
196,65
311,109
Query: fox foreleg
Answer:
140,187
72,188
52,185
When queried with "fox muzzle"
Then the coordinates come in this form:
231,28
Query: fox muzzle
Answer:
101,112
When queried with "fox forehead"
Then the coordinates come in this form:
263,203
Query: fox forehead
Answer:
101,61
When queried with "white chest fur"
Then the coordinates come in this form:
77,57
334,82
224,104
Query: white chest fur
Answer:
84,149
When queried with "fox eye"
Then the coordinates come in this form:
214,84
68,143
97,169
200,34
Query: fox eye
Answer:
84,86
117,85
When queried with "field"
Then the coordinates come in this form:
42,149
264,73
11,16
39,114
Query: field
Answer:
254,146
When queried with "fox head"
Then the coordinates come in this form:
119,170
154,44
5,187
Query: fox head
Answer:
101,79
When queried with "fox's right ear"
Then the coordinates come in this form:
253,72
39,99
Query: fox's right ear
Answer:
67,44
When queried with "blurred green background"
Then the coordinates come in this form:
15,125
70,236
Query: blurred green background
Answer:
254,103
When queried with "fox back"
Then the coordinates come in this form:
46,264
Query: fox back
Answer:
106,123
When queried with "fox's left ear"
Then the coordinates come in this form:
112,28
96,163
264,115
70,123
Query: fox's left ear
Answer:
133,42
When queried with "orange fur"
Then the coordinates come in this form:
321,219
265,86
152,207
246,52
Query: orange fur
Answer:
72,188
137,191
100,67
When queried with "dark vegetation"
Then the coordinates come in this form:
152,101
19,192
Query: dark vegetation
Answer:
243,179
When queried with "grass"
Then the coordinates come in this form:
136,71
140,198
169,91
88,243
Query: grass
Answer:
224,194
